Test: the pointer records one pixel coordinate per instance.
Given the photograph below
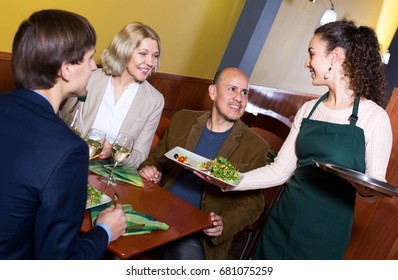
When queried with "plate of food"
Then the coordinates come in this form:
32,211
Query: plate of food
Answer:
219,168
95,197
358,177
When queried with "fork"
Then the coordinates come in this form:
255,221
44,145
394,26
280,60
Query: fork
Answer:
116,195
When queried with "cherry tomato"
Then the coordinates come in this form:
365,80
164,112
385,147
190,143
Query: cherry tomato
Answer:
182,159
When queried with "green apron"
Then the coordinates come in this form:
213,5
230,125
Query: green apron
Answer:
313,218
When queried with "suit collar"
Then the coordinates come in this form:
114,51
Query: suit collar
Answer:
33,97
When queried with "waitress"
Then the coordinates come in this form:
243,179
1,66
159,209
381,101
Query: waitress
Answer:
346,126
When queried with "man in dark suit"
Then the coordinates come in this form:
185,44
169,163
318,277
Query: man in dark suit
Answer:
43,186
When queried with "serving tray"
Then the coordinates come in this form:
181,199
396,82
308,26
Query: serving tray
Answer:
358,177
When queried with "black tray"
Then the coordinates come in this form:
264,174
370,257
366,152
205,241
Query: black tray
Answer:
358,177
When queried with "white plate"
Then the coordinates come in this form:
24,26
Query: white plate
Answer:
104,199
193,161
358,177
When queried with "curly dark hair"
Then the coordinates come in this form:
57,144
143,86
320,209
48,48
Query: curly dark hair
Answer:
363,63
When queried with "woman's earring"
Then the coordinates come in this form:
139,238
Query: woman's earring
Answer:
327,74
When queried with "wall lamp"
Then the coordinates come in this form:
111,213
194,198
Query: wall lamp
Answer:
329,15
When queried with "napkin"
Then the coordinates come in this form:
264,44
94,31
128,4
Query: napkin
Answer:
123,173
137,222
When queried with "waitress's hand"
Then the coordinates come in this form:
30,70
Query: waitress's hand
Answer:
368,194
211,180
106,151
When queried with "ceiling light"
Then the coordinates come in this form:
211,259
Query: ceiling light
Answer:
329,15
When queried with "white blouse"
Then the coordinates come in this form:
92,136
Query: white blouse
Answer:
110,116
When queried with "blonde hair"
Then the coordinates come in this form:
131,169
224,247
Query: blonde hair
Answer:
116,57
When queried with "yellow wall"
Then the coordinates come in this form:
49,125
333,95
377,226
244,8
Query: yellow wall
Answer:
388,23
194,33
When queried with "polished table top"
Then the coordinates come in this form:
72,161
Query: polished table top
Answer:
182,217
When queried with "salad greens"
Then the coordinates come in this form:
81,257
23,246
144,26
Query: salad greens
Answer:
93,195
220,168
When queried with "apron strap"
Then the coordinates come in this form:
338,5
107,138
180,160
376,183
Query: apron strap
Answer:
321,99
354,116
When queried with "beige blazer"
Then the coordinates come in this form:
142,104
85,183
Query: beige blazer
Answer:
141,120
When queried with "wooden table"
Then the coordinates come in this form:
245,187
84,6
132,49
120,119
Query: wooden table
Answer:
182,217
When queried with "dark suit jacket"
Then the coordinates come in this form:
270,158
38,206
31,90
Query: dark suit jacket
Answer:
43,185
244,149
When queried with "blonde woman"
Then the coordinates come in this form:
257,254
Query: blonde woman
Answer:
119,98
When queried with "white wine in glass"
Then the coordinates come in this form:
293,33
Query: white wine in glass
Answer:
121,149
74,125
95,139
73,118
120,153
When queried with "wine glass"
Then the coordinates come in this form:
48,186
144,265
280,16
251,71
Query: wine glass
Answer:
121,150
95,139
73,118
74,125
